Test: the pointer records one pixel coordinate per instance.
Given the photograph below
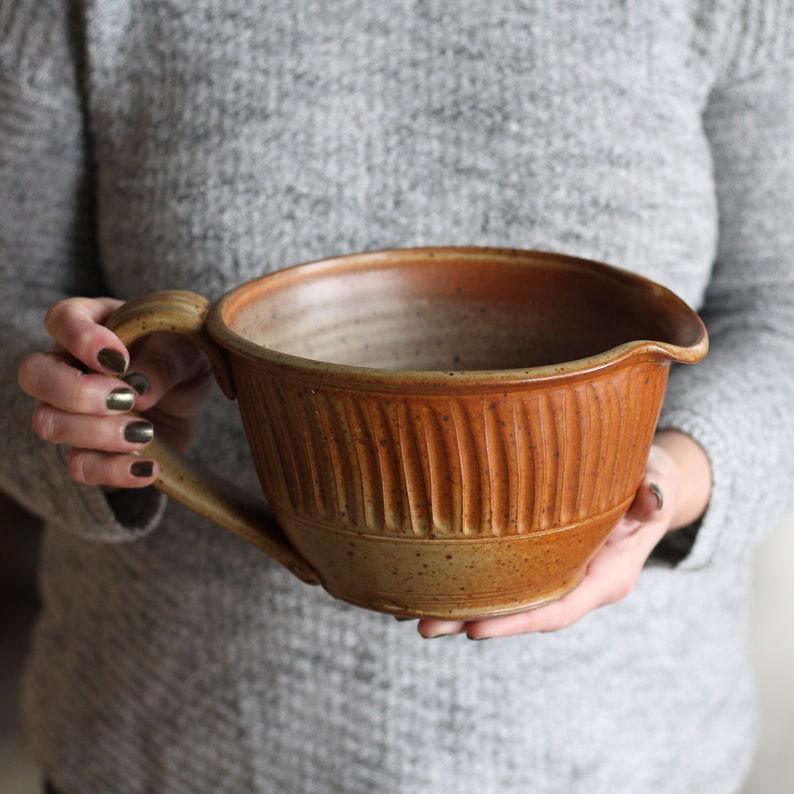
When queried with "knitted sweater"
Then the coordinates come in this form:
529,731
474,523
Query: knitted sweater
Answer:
148,144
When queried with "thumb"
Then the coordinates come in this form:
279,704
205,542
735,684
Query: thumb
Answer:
648,507
648,504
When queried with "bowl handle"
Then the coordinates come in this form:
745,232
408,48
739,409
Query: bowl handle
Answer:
196,487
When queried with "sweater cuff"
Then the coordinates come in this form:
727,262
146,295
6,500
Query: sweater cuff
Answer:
115,517
137,510
695,546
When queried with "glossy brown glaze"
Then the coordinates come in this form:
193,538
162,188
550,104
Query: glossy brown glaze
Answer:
447,432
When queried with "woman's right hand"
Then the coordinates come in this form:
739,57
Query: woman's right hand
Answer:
166,381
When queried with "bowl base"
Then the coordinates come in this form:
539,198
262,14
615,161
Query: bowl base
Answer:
451,578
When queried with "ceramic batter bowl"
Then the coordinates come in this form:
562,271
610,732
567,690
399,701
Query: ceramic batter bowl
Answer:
443,432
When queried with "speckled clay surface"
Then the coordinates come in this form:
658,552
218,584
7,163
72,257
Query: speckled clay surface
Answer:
439,432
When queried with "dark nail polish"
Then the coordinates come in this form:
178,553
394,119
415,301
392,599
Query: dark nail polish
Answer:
139,432
142,468
112,360
120,400
138,382
657,492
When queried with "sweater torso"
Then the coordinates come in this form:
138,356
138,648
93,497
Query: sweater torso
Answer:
228,139
235,138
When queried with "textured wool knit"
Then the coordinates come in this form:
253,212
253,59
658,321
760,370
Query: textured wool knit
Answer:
150,144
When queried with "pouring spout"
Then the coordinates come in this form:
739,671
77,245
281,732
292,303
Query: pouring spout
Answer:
686,340
682,352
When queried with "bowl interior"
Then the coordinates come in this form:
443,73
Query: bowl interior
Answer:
454,309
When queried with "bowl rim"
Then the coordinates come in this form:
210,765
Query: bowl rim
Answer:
663,352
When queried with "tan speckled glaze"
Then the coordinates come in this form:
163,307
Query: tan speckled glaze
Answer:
444,432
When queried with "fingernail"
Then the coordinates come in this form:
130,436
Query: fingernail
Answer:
657,492
112,360
142,468
138,382
139,432
120,400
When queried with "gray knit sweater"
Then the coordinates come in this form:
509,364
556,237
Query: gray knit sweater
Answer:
149,144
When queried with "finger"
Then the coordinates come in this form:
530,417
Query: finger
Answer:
110,434
648,508
89,467
170,371
77,325
648,504
53,379
555,616
440,628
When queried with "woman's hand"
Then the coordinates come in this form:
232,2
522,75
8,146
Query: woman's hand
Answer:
82,405
674,493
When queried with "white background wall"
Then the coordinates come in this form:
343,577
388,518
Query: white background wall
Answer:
773,633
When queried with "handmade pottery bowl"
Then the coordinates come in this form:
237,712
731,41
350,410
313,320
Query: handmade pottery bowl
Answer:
439,432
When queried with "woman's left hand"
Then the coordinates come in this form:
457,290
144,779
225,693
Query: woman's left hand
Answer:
674,492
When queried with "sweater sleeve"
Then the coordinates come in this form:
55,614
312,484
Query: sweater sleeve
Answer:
47,252
737,403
